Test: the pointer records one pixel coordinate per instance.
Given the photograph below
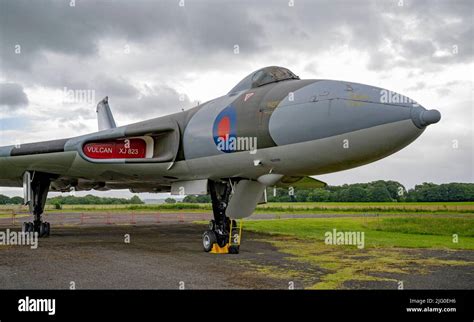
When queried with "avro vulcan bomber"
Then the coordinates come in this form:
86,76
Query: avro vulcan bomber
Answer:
271,129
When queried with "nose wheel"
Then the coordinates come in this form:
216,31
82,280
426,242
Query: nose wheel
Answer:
223,234
229,243
208,240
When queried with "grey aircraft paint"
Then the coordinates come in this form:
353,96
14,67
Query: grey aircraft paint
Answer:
300,127
327,108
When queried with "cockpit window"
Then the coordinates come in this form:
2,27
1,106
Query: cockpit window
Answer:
262,77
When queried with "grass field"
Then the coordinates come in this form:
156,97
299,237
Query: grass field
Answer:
282,208
394,248
401,239
411,231
371,207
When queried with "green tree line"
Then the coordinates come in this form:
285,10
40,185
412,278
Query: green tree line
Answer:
376,191
73,200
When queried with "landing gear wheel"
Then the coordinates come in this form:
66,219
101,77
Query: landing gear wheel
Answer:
29,227
46,229
208,240
43,229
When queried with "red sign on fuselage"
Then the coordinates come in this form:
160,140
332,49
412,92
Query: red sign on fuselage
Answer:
116,149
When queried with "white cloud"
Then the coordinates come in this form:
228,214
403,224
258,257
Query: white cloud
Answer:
160,51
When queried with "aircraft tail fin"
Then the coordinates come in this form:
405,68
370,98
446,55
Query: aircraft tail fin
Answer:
105,119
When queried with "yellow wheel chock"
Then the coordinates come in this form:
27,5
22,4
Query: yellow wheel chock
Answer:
232,247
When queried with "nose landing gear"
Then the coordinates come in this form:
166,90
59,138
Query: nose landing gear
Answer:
228,243
223,235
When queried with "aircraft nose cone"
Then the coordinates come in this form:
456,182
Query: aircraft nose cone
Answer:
423,118
430,117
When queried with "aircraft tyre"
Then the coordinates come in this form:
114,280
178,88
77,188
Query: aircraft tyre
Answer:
208,240
43,228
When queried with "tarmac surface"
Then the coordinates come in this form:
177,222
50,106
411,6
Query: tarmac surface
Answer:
90,251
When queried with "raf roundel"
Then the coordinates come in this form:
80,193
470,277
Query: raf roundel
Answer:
224,130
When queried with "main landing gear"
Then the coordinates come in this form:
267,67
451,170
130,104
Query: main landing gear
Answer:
36,186
223,235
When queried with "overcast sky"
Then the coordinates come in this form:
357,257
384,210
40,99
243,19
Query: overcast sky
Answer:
154,58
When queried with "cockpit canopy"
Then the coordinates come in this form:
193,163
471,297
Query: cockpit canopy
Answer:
264,76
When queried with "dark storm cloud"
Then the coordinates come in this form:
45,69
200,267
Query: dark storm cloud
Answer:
206,28
201,35
60,43
12,96
414,31
39,26
51,44
445,26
